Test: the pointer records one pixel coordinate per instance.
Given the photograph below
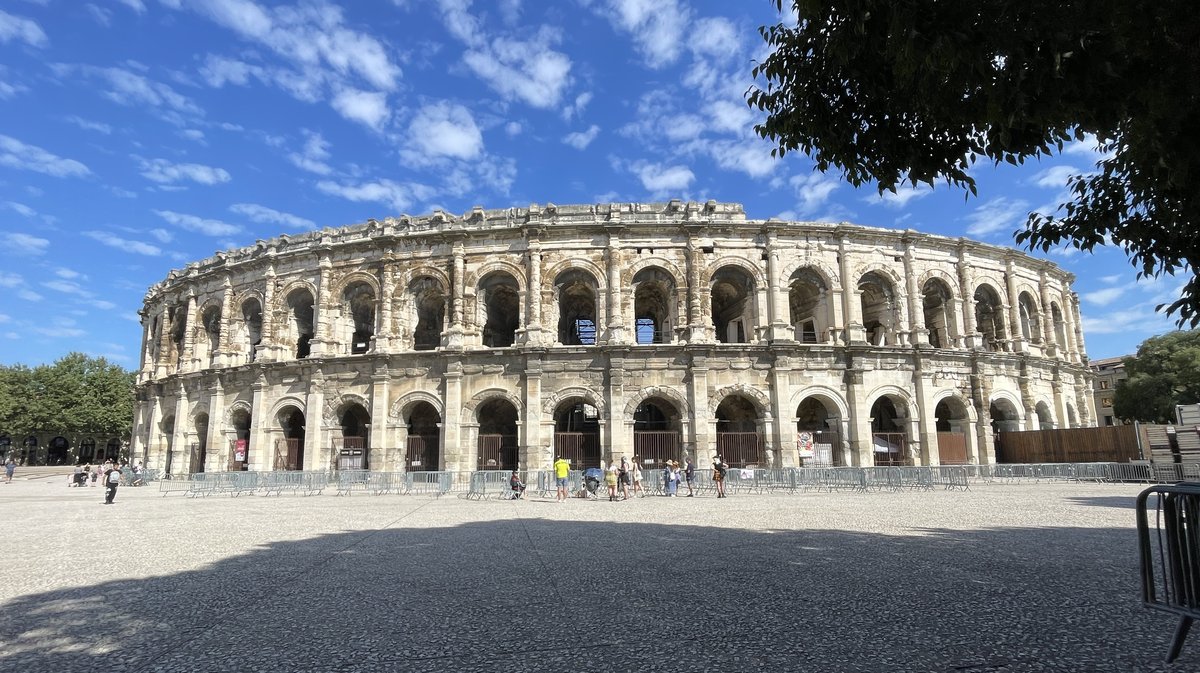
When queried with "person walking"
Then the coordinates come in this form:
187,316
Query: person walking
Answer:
10,466
623,478
637,478
689,474
112,479
719,470
670,479
610,480
562,468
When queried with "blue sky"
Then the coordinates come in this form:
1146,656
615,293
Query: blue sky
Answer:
139,135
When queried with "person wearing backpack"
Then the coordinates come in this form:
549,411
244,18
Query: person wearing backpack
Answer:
719,469
112,479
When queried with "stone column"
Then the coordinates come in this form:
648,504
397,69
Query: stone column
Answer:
858,426
178,445
700,327
532,332
703,439
378,447
269,349
315,451
384,335
163,364
786,454
971,338
225,351
454,336
916,311
779,329
1079,351
1017,335
322,343
925,417
455,456
617,440
187,357
535,450
146,358
981,394
618,331
262,453
217,458
851,306
1046,317
150,452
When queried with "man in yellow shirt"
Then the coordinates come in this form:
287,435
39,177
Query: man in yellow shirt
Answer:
561,468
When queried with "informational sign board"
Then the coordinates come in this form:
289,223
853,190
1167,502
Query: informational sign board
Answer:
805,444
239,451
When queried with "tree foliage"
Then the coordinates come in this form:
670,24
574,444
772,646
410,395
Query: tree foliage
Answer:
76,397
916,91
1166,372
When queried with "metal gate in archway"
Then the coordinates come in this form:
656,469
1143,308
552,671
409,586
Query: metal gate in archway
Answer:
656,447
952,448
498,452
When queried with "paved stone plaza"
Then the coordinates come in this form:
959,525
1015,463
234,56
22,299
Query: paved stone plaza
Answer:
1017,577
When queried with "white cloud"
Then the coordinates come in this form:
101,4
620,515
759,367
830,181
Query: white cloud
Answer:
513,128
581,139
715,37
1104,297
136,247
21,208
29,295
69,274
813,190
443,130
460,22
1110,280
25,244
751,157
88,125
730,116
165,172
16,154
1054,177
258,213
900,198
19,28
135,5
101,15
658,27
68,287
399,197
161,235
661,179
1141,319
366,107
999,214
576,109
528,71
194,134
682,127
132,89
314,156
10,280
199,224
103,304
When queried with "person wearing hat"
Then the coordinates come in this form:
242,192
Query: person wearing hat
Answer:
670,478
719,470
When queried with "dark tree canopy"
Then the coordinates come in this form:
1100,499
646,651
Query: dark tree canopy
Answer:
916,91
1166,372
77,396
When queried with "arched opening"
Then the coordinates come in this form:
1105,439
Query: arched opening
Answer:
424,439
889,437
989,318
1030,324
29,451
167,427
653,304
497,435
289,449
1045,416
87,451
239,449
300,321
1005,418
208,342
950,417
501,299
819,437
251,327
1060,331
57,452
878,301
576,292
939,321
732,293
739,442
429,302
200,446
657,429
358,316
807,302
112,450
355,424
577,433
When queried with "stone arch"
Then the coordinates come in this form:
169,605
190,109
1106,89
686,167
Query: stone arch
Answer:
588,395
335,406
910,408
579,264
678,277
503,266
885,270
576,302
824,393
291,286
665,392
733,298
198,408
760,400
409,275
880,306
401,406
288,401
826,273
1045,413
234,407
487,394
355,276
240,298
754,271
1009,397
939,274
948,393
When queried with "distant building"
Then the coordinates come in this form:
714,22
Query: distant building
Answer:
1108,372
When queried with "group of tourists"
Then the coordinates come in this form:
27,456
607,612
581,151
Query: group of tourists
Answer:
625,478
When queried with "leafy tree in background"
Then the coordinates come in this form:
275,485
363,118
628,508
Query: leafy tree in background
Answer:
916,91
77,397
1166,372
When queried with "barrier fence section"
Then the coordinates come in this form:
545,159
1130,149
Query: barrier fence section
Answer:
495,483
1169,555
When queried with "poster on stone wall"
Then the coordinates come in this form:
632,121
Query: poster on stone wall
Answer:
805,444
239,450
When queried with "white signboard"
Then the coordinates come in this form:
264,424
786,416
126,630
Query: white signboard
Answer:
805,444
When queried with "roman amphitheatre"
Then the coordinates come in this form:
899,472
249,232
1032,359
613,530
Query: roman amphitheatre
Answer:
496,339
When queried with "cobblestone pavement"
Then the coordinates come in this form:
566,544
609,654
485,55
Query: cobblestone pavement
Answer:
1016,577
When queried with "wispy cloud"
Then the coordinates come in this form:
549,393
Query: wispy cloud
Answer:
19,28
399,196
89,125
1104,297
16,154
655,27
136,247
25,244
315,155
813,190
263,214
165,172
442,130
899,199
199,224
581,139
1001,214
132,89
365,107
661,180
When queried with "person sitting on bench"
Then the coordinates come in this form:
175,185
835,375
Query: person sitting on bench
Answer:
517,486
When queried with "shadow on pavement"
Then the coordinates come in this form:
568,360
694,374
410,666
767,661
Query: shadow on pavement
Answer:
541,595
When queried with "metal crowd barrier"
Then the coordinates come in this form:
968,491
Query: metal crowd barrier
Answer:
547,485
489,484
1170,555
428,483
305,482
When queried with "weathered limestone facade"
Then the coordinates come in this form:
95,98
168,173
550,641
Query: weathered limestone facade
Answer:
600,331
